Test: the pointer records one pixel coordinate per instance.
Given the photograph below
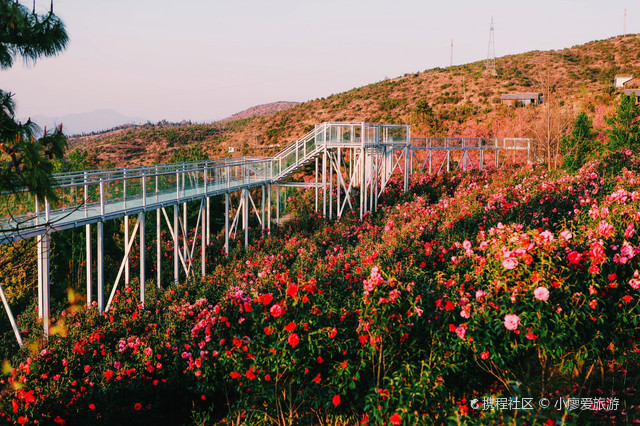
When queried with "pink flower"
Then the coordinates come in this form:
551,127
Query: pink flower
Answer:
148,351
634,283
605,229
628,233
511,321
509,263
541,293
461,331
566,234
480,294
276,310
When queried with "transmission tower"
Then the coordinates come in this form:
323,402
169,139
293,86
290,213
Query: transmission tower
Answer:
491,53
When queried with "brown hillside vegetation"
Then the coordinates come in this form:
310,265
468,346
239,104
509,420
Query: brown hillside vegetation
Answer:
460,100
260,110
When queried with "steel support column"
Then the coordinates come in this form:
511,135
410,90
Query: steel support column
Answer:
126,243
203,236
143,265
176,245
100,265
226,224
269,208
278,205
316,188
88,264
262,207
245,219
158,249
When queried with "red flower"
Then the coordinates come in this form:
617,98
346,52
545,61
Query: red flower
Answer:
250,374
627,299
108,374
317,378
396,419
292,291
265,299
235,375
336,400
92,407
293,340
333,333
484,355
87,368
22,420
290,327
574,257
319,360
137,406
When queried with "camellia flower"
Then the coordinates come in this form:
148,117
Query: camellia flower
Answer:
276,310
336,400
484,355
566,234
574,257
509,263
290,327
511,321
541,293
293,340
461,331
396,419
292,291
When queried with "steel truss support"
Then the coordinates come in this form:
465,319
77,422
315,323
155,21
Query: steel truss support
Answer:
242,216
12,320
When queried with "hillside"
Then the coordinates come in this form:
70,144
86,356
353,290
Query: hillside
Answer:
260,110
460,100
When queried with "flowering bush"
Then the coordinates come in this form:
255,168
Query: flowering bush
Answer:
471,287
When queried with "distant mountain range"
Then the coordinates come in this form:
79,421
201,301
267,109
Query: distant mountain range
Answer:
86,122
107,119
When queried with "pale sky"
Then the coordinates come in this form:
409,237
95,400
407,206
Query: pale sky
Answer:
204,60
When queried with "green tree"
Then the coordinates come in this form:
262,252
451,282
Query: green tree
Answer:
581,146
624,132
26,161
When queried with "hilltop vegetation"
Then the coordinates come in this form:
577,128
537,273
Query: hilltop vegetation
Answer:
460,100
